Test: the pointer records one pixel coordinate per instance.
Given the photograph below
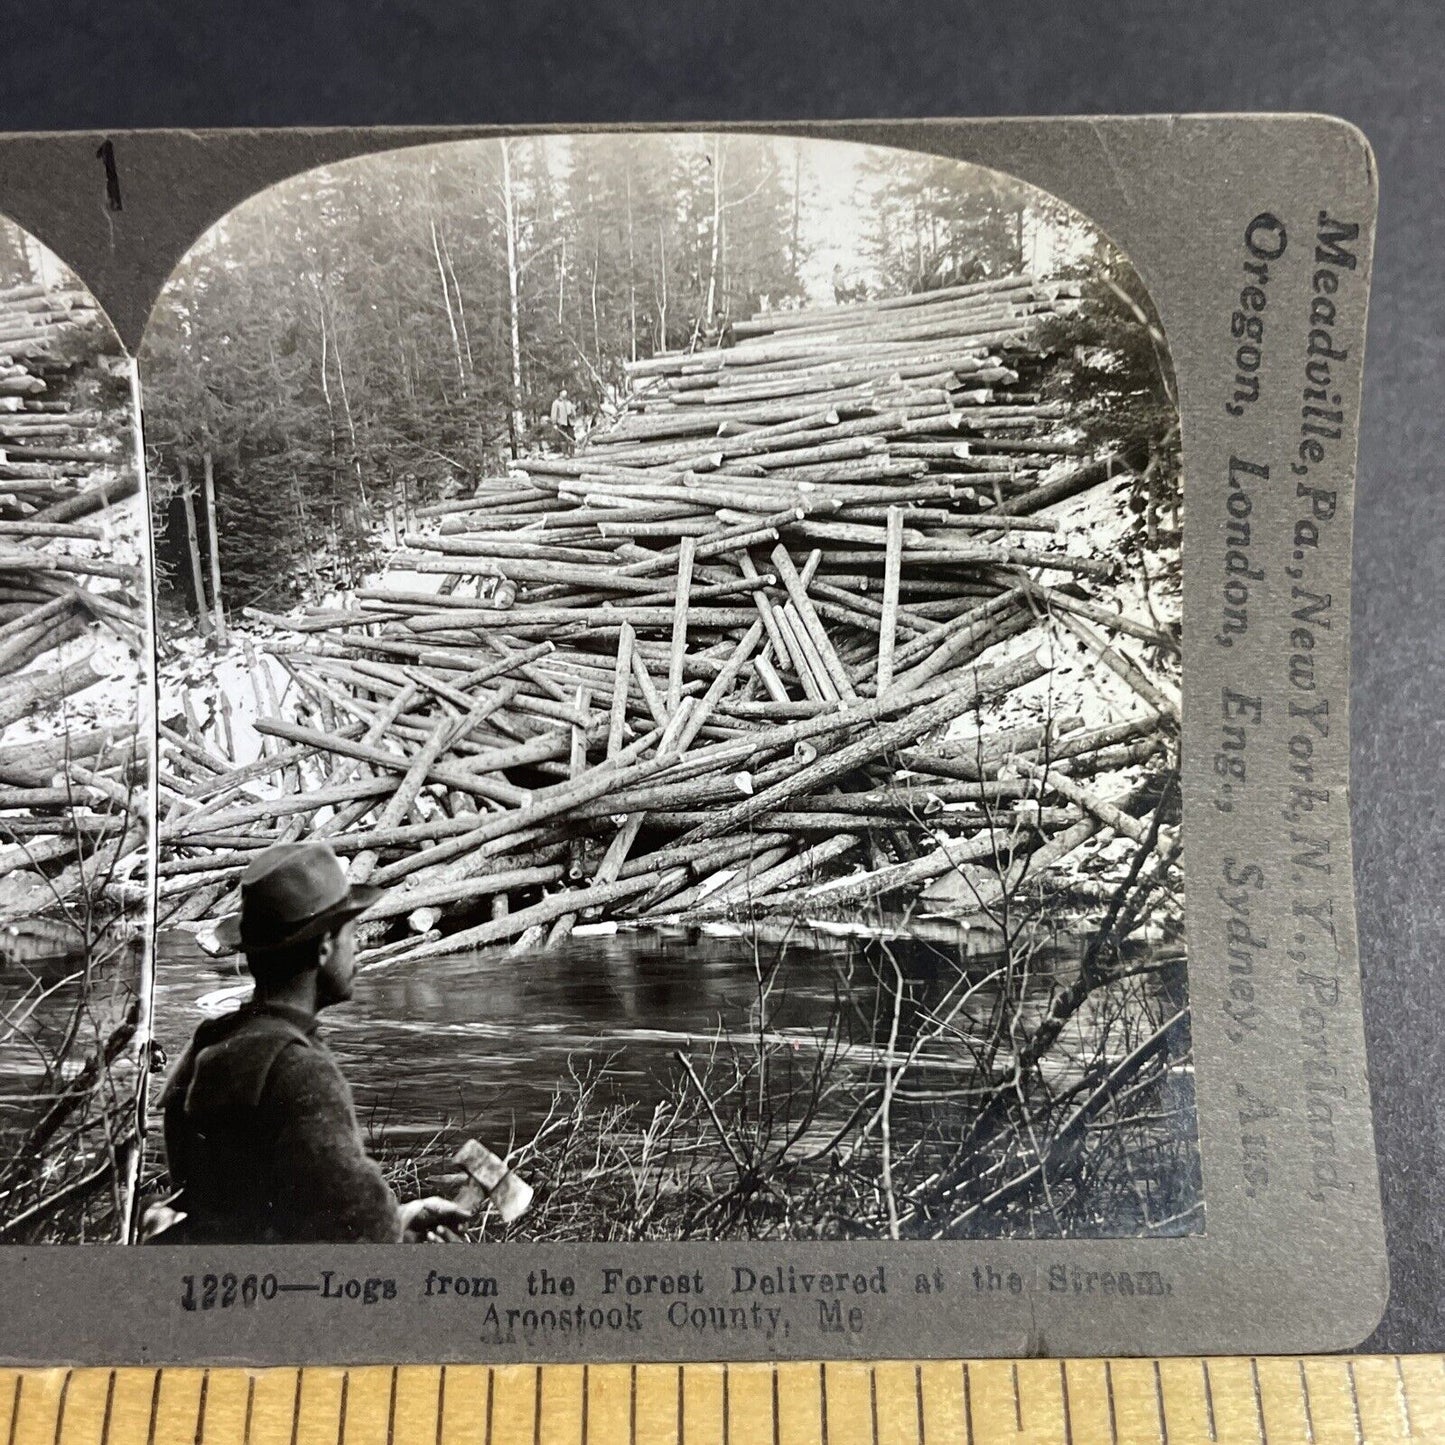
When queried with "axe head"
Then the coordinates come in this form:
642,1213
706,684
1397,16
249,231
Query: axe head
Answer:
489,1179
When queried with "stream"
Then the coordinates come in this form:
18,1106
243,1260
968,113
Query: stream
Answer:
479,1043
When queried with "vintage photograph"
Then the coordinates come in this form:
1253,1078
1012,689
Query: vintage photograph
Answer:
74,797
668,665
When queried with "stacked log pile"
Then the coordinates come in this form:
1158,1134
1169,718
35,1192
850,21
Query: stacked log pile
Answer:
764,644
72,768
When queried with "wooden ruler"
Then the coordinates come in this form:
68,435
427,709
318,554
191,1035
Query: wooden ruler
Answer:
1319,1400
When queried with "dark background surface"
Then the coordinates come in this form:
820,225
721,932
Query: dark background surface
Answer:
83,66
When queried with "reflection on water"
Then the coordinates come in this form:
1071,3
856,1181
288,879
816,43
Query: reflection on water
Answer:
68,1082
56,1006
478,1044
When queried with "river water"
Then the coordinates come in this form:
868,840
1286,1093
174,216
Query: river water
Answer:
479,1044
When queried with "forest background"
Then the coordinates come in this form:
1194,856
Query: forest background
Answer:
366,338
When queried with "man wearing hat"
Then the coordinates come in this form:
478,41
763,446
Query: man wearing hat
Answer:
260,1130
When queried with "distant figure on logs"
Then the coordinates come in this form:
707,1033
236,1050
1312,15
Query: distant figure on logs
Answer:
843,292
260,1130
564,417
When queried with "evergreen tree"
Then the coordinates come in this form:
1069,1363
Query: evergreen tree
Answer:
934,224
1110,363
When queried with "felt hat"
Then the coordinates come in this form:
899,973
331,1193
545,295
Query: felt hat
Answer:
291,893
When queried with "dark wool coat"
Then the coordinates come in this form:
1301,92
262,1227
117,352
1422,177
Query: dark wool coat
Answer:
262,1139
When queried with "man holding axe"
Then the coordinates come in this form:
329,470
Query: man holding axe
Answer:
260,1130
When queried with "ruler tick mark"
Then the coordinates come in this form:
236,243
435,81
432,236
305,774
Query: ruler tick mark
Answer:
776,1439
441,1401
872,1402
681,1415
1355,1401
823,1402
586,1391
1304,1394
1113,1416
109,1405
632,1405
967,1405
250,1408
1404,1396
341,1413
1159,1404
60,1408
155,1410
491,1387
15,1407
200,1435
296,1408
918,1402
1018,1404
1068,1410
1258,1400
536,1410
1209,1399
